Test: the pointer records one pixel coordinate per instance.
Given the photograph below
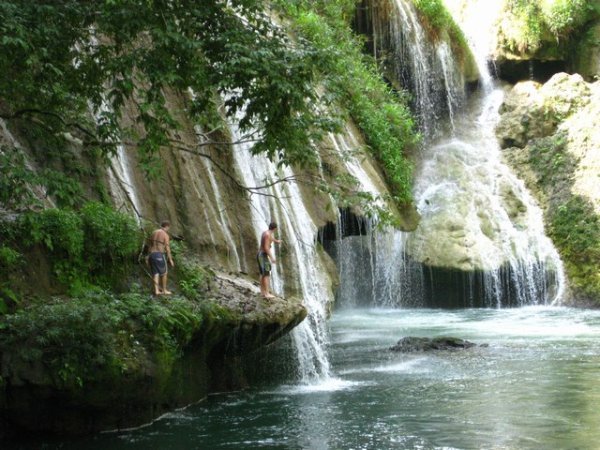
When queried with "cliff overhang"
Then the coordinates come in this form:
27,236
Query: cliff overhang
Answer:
145,379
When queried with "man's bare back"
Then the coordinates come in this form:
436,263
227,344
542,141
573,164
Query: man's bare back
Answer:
159,241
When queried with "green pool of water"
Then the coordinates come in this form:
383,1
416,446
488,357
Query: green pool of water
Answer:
536,386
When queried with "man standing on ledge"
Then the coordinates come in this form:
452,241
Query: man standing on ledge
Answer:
159,246
265,258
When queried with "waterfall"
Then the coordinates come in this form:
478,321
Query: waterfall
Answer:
121,183
373,265
476,215
120,178
481,239
298,268
428,71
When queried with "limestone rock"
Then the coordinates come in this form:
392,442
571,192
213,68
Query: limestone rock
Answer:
559,160
421,344
532,110
566,104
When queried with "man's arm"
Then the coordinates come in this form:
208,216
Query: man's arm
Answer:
168,248
267,238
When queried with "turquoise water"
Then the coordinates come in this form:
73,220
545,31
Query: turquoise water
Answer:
537,386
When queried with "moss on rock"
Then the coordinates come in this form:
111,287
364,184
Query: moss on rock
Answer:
103,361
556,154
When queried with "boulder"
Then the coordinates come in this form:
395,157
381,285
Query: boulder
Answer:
412,344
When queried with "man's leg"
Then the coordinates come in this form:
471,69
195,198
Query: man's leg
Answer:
164,285
155,285
262,285
266,293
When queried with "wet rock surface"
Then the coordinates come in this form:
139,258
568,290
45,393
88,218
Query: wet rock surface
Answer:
413,344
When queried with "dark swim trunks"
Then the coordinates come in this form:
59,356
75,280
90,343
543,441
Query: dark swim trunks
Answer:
158,264
264,264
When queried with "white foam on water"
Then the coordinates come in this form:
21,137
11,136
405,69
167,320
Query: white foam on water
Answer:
329,385
410,366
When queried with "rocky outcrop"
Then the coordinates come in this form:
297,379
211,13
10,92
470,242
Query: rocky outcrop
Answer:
550,135
141,380
422,344
538,38
533,110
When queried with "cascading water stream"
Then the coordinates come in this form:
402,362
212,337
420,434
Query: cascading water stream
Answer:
476,215
429,72
282,202
481,238
373,267
475,212
120,175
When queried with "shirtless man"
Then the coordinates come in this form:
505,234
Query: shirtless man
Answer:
159,245
265,258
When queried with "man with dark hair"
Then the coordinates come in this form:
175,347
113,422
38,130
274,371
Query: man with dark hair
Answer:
159,246
265,258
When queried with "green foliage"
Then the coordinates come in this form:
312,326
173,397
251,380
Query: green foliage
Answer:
86,247
193,279
575,229
60,231
69,68
17,182
99,335
531,25
563,17
110,236
10,261
352,80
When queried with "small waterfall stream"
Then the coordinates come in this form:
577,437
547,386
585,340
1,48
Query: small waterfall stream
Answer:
282,202
429,72
121,183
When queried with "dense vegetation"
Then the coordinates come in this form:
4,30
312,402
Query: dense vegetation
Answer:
92,247
68,69
84,330
529,27
99,334
352,82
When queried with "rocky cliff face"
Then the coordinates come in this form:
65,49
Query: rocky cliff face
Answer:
550,135
536,39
